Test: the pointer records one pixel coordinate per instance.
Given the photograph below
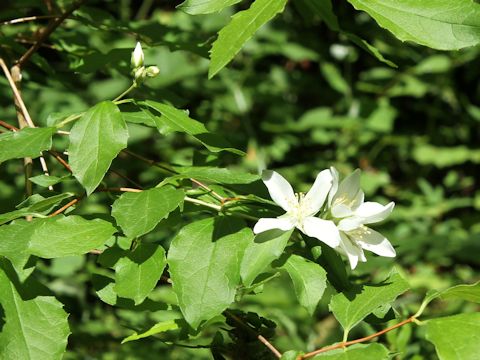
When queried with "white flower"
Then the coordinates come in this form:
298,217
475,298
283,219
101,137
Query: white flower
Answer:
350,214
152,71
300,208
137,56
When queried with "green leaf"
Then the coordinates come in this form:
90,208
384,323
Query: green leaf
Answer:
370,352
260,253
155,329
240,29
196,7
353,306
309,280
37,209
455,337
178,120
46,181
439,24
372,50
28,142
137,273
469,292
95,140
35,328
153,205
60,236
204,264
53,237
215,175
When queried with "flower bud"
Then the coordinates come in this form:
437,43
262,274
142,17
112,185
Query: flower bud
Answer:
152,71
139,75
137,56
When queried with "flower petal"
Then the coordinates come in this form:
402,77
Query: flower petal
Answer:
318,193
373,241
265,224
354,252
348,189
323,230
279,189
335,180
373,212
340,211
350,223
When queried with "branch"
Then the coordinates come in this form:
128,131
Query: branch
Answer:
163,167
46,33
27,18
260,338
352,342
65,207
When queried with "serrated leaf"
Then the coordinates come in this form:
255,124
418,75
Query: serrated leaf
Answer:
351,307
455,337
35,328
53,237
240,29
178,120
35,209
309,280
196,7
260,253
204,264
46,181
153,205
370,352
137,273
155,329
95,140
28,142
439,24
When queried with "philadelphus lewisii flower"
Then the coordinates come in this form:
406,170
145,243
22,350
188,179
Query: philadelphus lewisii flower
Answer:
137,57
300,208
344,214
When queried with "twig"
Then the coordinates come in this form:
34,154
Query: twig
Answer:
126,178
60,160
27,18
65,207
352,342
262,339
46,33
156,164
8,126
16,93
23,117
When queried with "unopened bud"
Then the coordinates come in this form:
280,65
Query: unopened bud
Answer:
139,75
152,71
137,56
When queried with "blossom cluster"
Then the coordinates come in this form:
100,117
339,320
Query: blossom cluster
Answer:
139,71
331,211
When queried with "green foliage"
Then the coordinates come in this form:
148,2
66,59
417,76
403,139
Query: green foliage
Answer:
154,204
309,280
455,337
137,273
145,242
240,29
35,328
28,142
204,263
95,140
449,27
353,306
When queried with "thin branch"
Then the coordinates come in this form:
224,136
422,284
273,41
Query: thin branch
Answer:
119,189
60,160
133,182
27,18
65,207
8,126
16,93
357,341
262,339
46,33
163,167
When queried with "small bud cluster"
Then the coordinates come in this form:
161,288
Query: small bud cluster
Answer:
139,71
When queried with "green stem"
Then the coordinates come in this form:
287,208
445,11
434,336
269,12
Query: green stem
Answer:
133,86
